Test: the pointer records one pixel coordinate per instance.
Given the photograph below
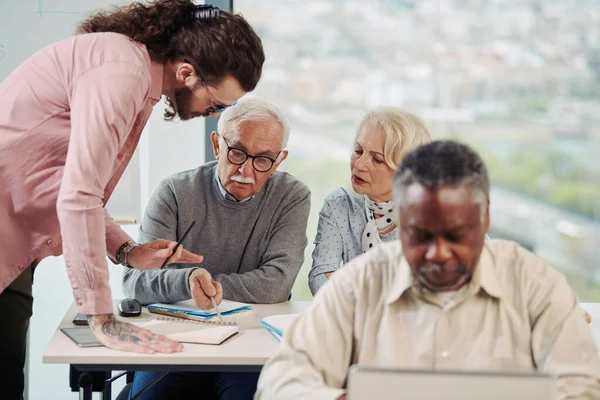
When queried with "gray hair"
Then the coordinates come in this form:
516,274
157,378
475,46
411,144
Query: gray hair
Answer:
252,109
443,163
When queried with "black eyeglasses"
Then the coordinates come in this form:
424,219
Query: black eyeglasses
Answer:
215,108
218,108
239,157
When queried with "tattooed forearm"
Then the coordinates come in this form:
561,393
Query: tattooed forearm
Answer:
110,326
95,321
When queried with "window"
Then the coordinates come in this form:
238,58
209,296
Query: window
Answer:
517,80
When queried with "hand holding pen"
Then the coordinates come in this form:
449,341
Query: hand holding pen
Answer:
160,252
205,292
178,245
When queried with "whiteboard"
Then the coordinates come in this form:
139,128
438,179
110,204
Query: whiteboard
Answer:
26,26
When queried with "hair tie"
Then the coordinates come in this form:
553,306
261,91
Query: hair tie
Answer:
204,11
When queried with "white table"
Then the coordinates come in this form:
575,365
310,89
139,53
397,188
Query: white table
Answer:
246,351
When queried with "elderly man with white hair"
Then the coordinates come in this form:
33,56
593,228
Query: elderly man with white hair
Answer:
250,228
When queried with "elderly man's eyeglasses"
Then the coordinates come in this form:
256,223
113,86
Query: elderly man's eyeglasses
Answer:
239,157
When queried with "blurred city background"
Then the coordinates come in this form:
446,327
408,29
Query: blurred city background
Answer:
519,80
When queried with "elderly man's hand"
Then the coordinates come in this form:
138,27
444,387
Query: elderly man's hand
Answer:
203,288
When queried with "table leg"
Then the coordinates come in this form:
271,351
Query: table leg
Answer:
85,386
107,391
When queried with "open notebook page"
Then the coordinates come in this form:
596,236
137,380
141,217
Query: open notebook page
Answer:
191,332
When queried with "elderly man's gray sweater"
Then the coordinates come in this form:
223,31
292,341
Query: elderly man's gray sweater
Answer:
254,248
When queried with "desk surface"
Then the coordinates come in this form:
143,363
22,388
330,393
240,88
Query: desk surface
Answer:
252,346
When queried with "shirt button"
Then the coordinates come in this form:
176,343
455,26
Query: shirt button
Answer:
22,267
445,354
120,156
49,242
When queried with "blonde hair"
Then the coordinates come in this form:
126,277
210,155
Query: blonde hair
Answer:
403,132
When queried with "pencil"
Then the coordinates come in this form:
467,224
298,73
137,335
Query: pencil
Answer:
164,264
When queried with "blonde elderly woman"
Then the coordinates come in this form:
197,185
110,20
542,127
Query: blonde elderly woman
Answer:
352,222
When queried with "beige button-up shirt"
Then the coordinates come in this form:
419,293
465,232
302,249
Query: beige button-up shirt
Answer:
517,313
70,119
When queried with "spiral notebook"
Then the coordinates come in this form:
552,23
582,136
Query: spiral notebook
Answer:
188,310
189,331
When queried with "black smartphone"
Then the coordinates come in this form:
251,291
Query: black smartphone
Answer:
80,319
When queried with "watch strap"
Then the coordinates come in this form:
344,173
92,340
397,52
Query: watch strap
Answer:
124,251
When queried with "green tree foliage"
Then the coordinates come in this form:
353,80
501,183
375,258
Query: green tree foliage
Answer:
555,178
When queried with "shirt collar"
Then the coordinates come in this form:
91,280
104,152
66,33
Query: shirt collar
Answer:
403,280
225,193
484,278
156,72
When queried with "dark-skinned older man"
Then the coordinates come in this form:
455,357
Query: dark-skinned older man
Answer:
442,297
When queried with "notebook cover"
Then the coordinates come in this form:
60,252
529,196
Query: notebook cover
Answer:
273,333
271,328
188,310
278,323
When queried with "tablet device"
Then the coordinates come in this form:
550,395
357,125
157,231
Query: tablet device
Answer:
366,383
82,336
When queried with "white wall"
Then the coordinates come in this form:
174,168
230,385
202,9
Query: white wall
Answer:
165,148
170,147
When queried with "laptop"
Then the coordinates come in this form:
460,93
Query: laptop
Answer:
368,383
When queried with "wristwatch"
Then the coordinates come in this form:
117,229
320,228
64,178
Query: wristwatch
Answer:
124,251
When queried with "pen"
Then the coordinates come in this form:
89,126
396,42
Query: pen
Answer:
164,264
212,299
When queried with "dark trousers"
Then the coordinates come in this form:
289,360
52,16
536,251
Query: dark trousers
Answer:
197,385
16,306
